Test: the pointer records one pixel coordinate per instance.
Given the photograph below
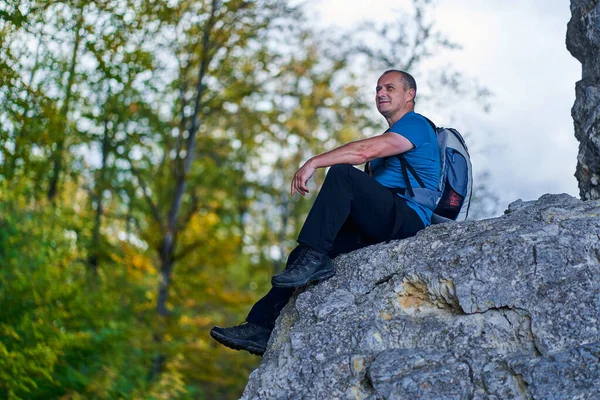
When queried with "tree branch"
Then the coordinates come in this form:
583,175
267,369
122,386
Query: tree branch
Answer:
170,230
124,217
151,204
188,216
187,249
180,184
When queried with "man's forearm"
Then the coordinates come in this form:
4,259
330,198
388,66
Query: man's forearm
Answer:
353,153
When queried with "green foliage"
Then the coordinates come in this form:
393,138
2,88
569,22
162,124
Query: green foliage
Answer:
60,332
67,332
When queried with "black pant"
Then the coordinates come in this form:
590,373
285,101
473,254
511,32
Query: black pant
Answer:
351,211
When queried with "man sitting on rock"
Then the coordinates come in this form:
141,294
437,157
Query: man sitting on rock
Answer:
353,209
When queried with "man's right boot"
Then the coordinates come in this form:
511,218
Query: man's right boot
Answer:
246,336
310,266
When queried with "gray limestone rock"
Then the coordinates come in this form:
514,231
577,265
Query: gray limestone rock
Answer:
502,308
583,41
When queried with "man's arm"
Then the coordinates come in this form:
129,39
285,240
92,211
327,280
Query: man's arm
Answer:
353,153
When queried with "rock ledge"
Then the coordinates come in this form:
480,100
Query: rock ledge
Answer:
501,308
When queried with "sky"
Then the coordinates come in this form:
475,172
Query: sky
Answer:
516,48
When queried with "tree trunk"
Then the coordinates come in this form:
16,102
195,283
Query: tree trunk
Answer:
166,268
95,248
169,242
10,168
57,156
285,209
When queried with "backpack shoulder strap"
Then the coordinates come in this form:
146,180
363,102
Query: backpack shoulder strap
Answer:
403,165
405,168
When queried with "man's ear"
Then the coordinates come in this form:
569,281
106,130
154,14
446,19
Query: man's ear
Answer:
411,93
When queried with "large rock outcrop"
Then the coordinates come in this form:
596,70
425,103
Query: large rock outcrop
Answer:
583,41
495,309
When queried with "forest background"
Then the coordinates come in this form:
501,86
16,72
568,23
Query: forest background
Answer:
146,154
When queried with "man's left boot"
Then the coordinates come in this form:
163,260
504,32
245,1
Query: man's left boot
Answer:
245,336
310,266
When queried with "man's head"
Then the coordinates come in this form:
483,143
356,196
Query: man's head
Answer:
396,91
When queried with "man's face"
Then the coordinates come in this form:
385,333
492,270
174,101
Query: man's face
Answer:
391,97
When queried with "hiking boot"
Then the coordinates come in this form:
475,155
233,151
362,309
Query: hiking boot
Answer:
245,336
310,266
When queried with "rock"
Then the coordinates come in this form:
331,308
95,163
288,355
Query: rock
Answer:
501,308
583,41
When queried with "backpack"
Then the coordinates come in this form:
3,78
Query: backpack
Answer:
456,178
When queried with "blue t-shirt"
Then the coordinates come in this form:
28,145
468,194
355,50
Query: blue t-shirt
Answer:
424,158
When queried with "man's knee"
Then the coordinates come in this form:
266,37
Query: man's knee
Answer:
339,170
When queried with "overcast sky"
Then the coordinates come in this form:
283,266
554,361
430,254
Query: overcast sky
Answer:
517,49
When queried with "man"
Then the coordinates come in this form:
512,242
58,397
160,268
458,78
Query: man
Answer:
353,209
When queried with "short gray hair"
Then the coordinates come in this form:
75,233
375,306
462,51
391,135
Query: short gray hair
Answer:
407,79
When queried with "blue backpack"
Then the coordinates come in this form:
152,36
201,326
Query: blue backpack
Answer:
452,199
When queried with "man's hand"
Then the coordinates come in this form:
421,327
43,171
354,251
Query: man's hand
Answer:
301,177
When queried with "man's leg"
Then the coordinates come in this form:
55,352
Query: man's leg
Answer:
253,335
349,193
375,215
349,238
266,310
408,222
346,193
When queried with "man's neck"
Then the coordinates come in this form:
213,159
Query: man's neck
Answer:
396,117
